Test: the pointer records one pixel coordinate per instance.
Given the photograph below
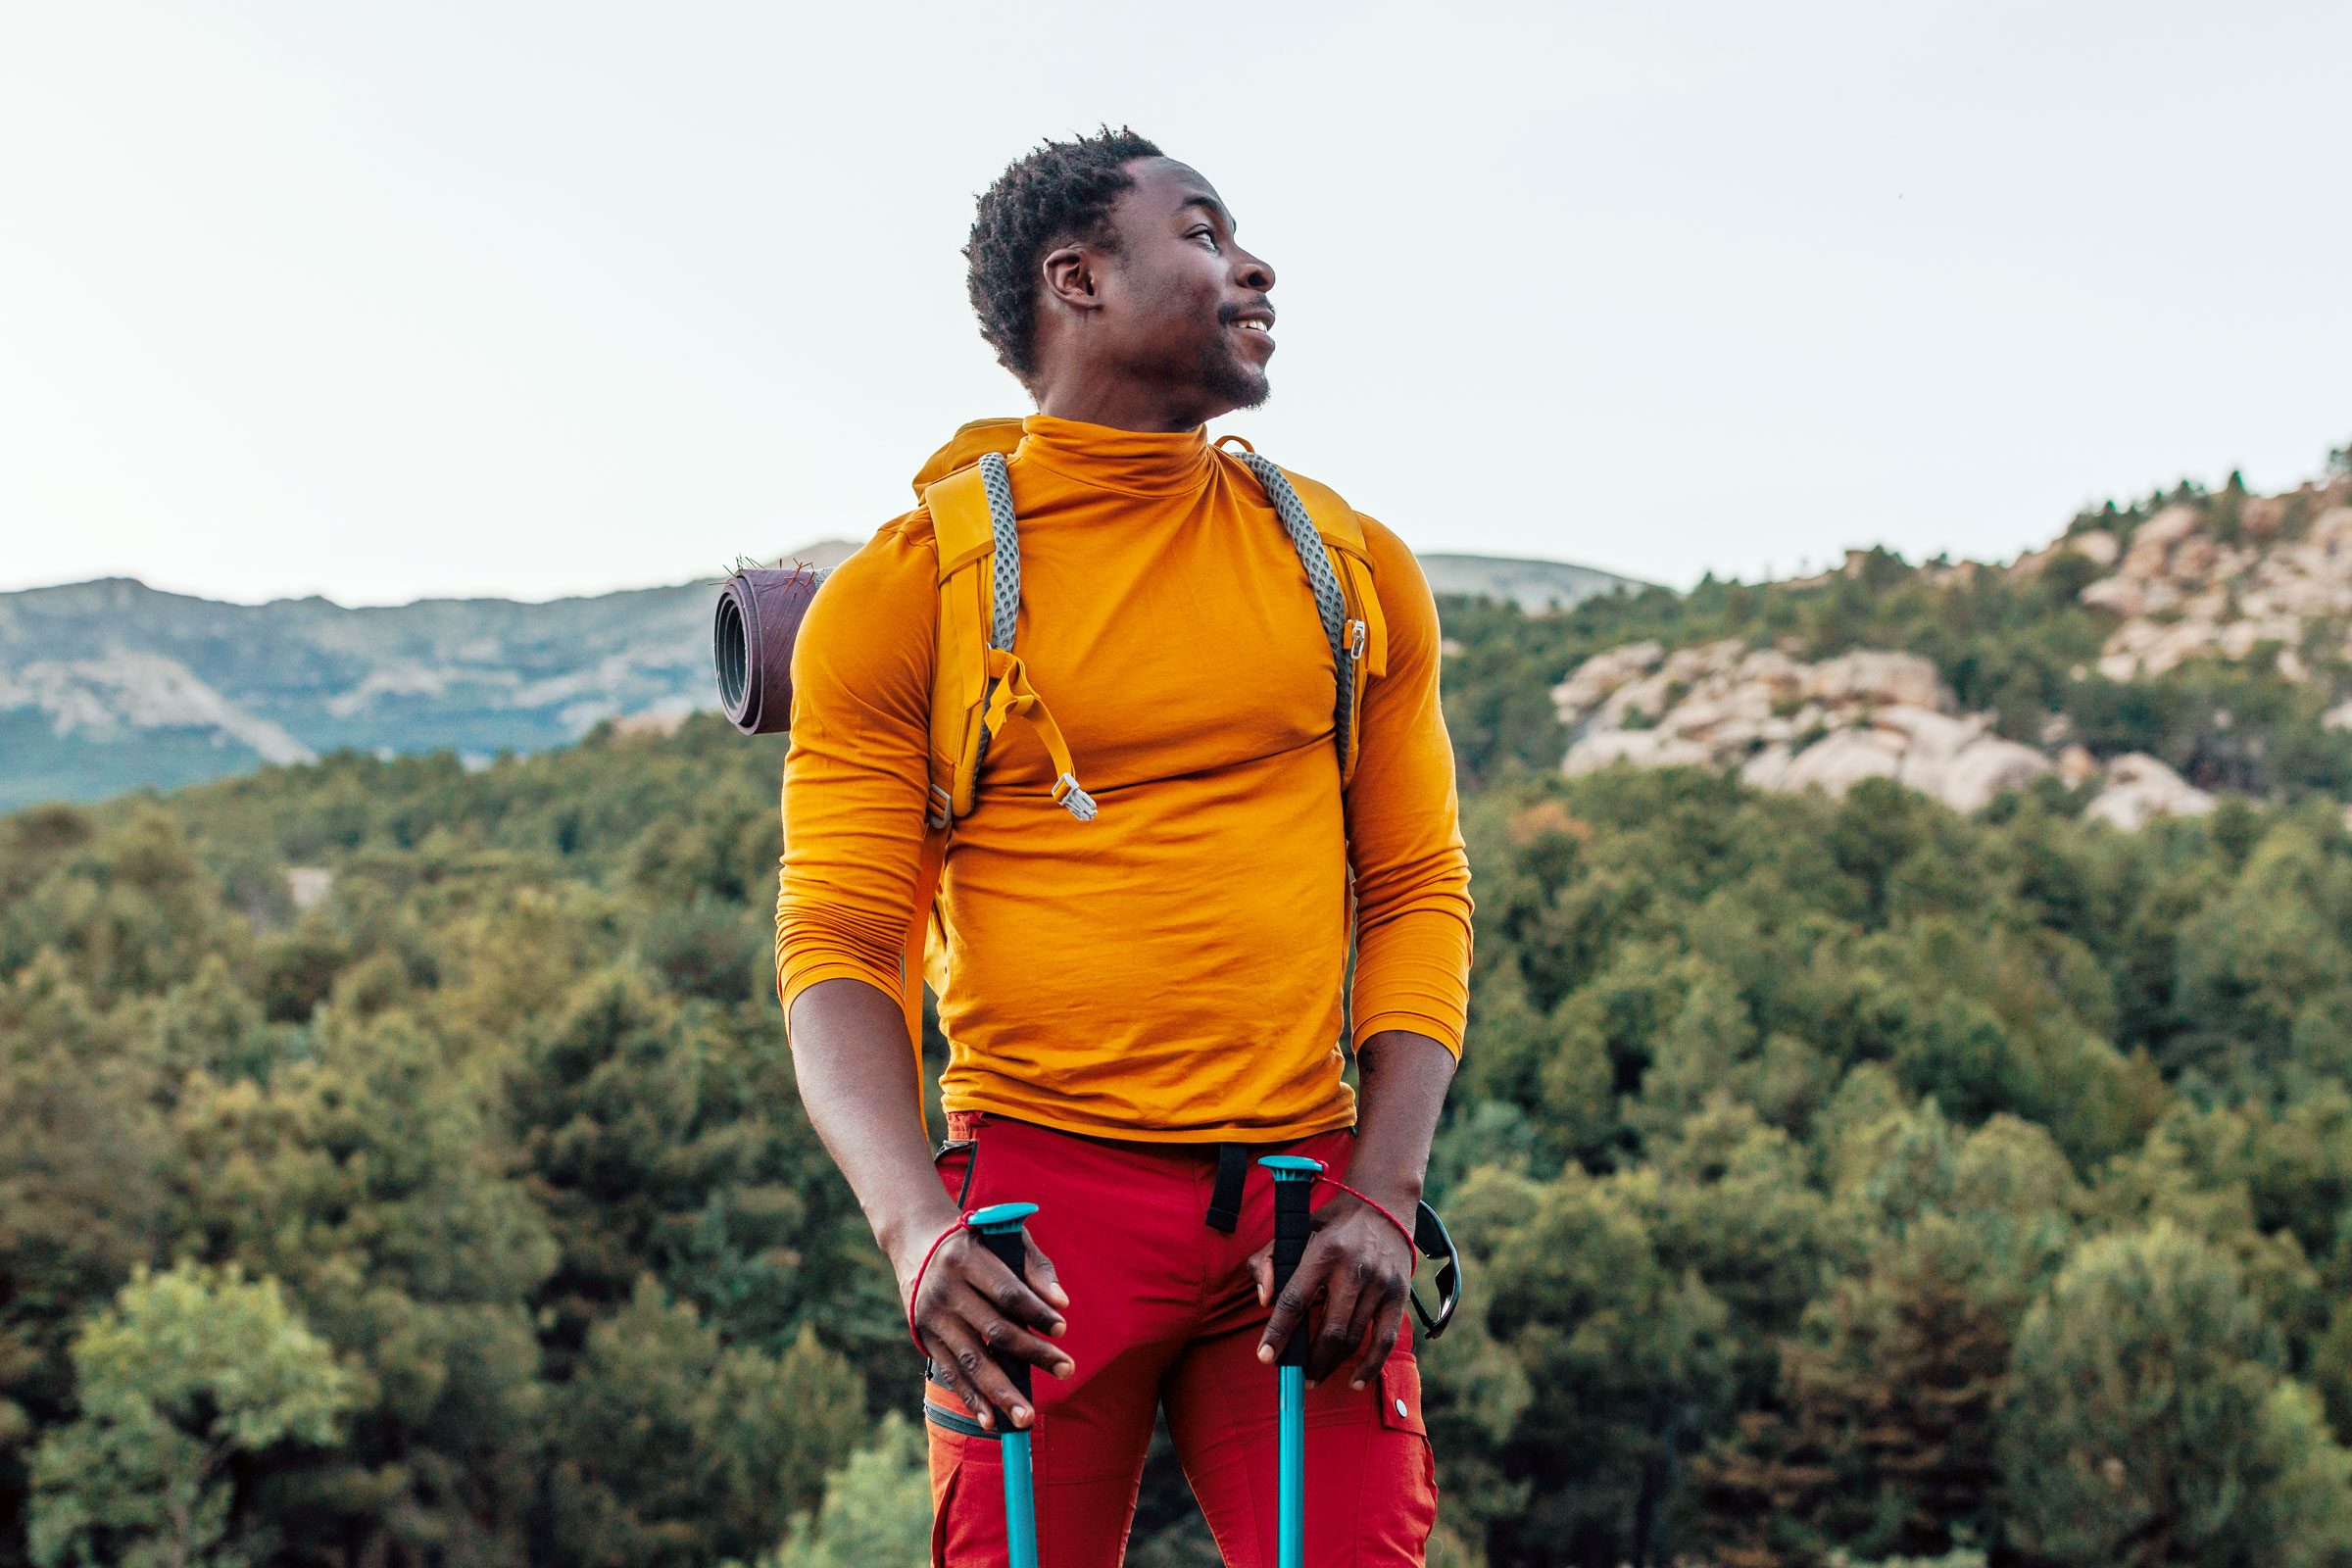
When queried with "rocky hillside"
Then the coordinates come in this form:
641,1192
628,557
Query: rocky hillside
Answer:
106,686
2231,577
1784,724
2228,615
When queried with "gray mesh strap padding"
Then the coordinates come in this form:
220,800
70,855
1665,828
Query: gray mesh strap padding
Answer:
997,480
1320,576
1006,610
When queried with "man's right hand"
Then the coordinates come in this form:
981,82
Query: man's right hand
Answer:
973,1317
857,1078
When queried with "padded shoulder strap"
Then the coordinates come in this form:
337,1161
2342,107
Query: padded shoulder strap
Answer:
1330,541
1336,520
959,521
976,683
962,532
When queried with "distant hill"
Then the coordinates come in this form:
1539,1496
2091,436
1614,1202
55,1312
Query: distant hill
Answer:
1534,586
111,685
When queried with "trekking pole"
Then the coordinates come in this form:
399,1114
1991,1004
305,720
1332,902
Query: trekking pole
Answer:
1294,1184
1000,1228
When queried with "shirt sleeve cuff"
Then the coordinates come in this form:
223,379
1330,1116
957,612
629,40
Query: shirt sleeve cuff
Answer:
791,985
1444,1033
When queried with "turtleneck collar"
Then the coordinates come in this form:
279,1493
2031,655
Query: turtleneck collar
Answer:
1136,463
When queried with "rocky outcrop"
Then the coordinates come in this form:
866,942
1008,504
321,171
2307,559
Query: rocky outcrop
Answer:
307,886
2222,577
2140,786
2230,576
1786,724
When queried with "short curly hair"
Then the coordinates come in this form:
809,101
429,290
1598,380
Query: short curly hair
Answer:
1060,192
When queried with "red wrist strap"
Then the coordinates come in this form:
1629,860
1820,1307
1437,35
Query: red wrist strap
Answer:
1402,1229
961,1221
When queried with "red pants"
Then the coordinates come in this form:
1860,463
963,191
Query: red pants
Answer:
1163,1312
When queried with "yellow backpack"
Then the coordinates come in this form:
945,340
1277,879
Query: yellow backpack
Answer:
979,684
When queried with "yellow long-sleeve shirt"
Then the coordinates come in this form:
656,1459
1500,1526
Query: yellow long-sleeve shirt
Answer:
1172,969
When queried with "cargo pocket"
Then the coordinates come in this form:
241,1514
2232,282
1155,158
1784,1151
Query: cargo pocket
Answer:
1401,1396
1414,1497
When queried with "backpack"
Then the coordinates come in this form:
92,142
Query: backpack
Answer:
979,683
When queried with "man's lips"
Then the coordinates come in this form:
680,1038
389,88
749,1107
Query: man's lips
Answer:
1256,321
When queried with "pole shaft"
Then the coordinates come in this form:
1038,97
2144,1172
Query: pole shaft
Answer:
1291,1542
1020,1502
1009,1244
1293,1223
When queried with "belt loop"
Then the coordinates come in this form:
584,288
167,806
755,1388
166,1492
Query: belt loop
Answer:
1225,1204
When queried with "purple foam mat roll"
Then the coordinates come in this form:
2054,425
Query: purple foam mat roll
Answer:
759,613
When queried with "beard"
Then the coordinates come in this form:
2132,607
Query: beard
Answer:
1203,365
1229,379
1225,373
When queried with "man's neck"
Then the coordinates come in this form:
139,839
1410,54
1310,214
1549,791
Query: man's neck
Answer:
1128,406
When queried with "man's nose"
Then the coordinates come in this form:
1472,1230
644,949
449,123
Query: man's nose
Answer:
1253,274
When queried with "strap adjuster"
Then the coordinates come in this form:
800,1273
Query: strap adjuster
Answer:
1073,799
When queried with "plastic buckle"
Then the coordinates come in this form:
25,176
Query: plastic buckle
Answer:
942,815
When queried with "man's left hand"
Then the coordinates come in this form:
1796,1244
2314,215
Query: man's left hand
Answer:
1362,1269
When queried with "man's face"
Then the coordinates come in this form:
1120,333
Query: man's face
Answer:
1185,306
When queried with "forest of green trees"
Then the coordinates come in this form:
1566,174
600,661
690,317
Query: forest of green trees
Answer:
1840,1181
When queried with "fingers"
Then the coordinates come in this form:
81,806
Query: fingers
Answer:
1346,1278
1261,1269
977,1268
975,1376
1006,1340
1379,1340
1291,1302
951,1378
1043,1279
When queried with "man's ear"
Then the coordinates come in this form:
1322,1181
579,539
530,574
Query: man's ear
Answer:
1071,277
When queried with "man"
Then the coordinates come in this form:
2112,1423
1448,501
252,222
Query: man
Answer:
1129,993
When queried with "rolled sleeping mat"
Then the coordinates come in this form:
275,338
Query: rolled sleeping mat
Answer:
759,613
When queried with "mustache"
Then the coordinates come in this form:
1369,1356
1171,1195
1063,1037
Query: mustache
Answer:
1227,315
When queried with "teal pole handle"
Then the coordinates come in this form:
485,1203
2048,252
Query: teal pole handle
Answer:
1000,1230
1294,1222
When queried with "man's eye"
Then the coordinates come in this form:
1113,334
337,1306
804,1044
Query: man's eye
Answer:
1206,234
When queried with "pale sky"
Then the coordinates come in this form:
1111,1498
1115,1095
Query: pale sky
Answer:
389,299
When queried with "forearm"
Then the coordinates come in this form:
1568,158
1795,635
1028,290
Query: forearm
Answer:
857,1081
1401,1078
